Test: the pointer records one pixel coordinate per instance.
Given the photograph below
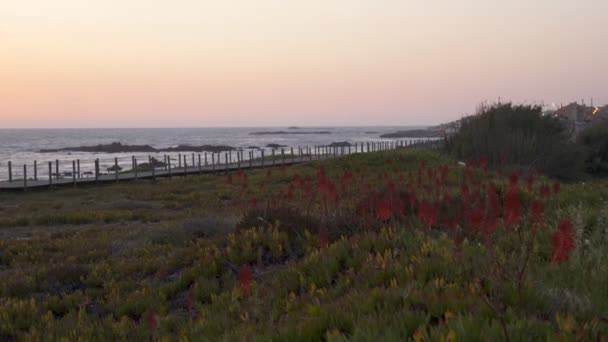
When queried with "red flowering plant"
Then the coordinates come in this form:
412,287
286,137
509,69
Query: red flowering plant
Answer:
562,242
246,281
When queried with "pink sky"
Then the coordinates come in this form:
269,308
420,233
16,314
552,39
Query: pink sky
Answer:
143,63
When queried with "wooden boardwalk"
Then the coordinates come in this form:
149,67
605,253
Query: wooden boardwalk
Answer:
216,167
20,185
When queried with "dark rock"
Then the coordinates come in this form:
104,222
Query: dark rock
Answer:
114,168
203,148
275,146
415,133
340,144
117,147
286,132
114,147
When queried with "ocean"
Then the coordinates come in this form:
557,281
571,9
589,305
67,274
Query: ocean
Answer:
22,146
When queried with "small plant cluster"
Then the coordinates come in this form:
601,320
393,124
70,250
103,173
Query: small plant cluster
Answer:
386,246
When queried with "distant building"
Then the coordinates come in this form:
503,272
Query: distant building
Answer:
579,117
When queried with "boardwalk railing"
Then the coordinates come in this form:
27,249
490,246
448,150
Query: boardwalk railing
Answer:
80,172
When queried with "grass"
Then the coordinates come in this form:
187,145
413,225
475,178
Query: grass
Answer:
170,259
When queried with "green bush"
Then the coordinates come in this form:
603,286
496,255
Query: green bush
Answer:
595,140
518,136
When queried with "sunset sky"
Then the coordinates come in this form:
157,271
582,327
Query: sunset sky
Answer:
145,63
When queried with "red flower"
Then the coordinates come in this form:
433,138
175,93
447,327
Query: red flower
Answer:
512,207
428,214
556,188
412,199
493,199
347,177
390,186
464,189
152,321
475,216
483,164
545,191
530,180
538,211
562,242
513,179
383,209
246,280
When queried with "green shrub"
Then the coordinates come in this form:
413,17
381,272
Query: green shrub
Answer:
595,140
519,136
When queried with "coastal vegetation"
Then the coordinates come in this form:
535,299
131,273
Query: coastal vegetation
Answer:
395,245
504,135
595,141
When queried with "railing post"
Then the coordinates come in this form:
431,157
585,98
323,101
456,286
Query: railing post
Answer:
24,177
238,159
212,161
57,169
154,169
179,160
251,159
116,168
135,167
50,174
273,158
200,165
78,167
74,172
168,165
35,170
226,161
96,170
205,158
262,157
282,156
10,172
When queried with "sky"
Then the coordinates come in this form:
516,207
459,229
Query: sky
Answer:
200,63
